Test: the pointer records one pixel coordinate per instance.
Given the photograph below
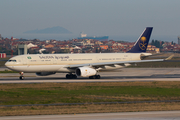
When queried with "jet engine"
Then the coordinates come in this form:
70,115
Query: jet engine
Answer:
44,73
85,71
145,55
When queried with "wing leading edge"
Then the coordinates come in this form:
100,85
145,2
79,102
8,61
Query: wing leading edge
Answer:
111,63
116,63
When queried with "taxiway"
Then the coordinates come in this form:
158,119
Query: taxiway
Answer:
122,75
154,115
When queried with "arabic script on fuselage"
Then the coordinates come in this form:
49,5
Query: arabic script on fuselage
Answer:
53,57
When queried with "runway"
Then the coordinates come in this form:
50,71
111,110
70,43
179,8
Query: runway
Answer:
122,75
85,80
154,115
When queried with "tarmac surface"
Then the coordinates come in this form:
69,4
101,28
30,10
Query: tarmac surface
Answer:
121,75
154,115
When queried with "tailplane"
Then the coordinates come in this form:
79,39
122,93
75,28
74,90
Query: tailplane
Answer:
142,43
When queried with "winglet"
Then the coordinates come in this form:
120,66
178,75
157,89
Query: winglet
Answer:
142,43
170,57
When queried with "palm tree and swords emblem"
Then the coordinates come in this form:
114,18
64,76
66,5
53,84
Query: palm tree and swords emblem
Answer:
142,43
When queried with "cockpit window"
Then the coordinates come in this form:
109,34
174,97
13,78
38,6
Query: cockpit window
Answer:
11,60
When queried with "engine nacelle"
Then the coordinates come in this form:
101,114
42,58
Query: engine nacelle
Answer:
85,71
44,73
145,55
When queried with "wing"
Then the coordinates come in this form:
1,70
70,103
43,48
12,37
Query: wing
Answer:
97,65
102,64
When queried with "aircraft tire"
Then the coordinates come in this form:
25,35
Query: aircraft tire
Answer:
68,76
98,76
90,77
95,77
21,77
71,76
74,77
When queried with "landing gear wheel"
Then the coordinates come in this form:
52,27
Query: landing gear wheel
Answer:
71,76
95,77
74,77
21,77
98,76
67,76
91,77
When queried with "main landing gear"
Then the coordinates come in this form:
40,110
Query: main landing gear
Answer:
21,75
71,76
95,77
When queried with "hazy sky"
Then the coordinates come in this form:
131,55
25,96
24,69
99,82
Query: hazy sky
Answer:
119,19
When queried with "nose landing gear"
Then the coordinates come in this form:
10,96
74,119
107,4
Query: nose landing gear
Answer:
21,75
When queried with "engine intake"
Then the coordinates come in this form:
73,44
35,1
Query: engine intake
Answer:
85,71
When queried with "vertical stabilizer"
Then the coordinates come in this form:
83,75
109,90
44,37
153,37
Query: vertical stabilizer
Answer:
142,43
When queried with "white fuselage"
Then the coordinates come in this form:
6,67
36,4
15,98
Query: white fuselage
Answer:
59,62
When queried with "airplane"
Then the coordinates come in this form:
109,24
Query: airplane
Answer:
81,65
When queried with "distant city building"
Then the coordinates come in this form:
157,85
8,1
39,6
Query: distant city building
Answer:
105,47
152,48
30,45
22,49
2,55
78,43
0,37
49,46
178,40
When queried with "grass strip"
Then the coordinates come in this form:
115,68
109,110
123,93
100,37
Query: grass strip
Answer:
49,93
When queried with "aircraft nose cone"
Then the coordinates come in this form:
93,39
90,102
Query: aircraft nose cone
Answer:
7,65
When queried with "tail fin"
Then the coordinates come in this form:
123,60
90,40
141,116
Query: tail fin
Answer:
142,43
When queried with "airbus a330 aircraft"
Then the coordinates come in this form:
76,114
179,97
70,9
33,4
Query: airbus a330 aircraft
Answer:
82,65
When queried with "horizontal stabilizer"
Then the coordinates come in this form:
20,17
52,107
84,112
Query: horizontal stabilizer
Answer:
170,57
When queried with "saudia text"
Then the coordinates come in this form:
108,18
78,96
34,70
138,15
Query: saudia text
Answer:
54,57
